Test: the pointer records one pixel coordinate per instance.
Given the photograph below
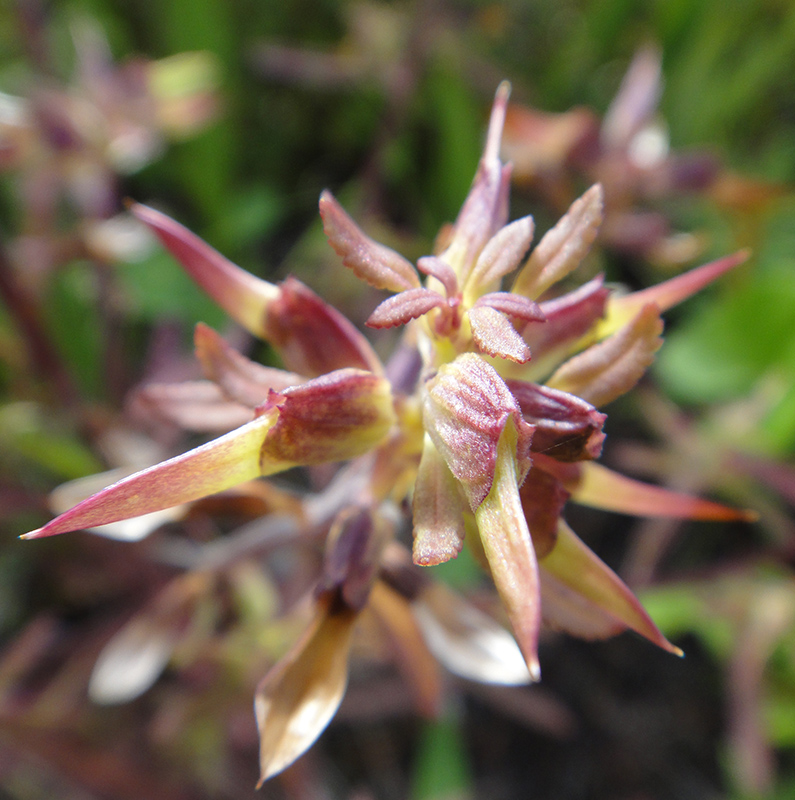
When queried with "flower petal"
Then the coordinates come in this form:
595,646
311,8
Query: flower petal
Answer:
486,207
465,410
502,254
600,487
374,263
402,308
543,497
589,598
567,428
332,418
563,247
238,377
509,550
610,368
314,338
198,406
468,642
512,305
438,509
243,296
495,336
409,648
438,268
620,310
297,699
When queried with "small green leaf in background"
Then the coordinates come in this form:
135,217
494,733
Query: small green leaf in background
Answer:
441,766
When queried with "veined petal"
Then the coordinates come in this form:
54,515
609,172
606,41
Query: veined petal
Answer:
600,487
509,550
402,308
297,699
563,247
610,368
243,296
208,469
374,263
314,338
438,510
592,597
502,254
495,336
465,410
665,295
332,418
239,378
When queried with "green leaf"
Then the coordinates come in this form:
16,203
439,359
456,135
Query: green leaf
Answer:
441,768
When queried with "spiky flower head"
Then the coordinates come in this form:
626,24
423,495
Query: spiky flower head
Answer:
484,423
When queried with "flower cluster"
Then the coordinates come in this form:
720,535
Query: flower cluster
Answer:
477,431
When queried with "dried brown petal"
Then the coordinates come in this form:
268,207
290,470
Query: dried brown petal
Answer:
297,699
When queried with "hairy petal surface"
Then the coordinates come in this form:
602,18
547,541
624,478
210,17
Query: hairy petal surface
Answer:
591,601
502,254
465,410
403,307
610,368
495,336
564,246
370,261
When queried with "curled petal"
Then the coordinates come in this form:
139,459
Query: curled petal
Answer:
495,336
610,368
374,263
502,254
238,377
512,305
243,296
620,310
563,247
468,642
466,407
600,487
438,268
297,699
192,405
509,550
401,308
567,428
568,317
587,598
438,508
313,337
